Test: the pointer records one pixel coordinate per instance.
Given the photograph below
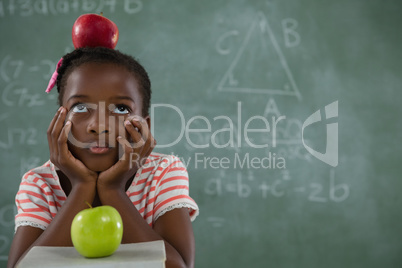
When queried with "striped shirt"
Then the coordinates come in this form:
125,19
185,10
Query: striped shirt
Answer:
159,186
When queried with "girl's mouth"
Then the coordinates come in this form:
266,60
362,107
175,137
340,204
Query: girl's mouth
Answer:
99,147
99,150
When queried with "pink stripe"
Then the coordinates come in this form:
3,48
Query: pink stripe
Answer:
173,188
171,199
33,194
158,178
185,178
33,216
142,189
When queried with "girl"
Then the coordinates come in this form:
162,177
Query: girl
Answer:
101,152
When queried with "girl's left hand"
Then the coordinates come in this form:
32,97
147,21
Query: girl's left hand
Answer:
133,157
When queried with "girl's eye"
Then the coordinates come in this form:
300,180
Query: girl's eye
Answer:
121,109
80,108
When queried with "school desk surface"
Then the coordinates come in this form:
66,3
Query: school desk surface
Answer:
143,255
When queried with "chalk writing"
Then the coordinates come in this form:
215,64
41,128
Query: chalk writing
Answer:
29,8
291,37
339,192
220,44
316,190
279,187
272,189
11,69
15,94
13,66
21,136
237,77
215,186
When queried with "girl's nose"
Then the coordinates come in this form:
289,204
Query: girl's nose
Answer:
99,123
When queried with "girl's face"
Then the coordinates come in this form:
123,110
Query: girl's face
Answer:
99,97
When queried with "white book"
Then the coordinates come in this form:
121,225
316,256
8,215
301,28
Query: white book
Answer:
141,255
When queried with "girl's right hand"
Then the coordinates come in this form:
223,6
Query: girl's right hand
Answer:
60,155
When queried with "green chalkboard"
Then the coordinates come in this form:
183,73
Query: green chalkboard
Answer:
286,113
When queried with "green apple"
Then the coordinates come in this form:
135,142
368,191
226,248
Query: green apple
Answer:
97,232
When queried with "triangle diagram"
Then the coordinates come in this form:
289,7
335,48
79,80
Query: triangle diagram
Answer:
259,65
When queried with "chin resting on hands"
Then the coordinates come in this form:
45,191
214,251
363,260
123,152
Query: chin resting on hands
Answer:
134,154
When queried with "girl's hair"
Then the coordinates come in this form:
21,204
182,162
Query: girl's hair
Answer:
105,55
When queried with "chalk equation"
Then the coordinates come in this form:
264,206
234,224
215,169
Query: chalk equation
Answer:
11,69
16,94
21,136
17,135
29,8
242,187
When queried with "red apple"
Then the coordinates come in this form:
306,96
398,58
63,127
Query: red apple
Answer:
93,30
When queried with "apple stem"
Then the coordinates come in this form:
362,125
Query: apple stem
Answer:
89,205
101,13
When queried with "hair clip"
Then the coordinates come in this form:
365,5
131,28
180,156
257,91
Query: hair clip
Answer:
53,79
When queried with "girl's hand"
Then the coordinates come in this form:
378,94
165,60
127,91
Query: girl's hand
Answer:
133,157
60,155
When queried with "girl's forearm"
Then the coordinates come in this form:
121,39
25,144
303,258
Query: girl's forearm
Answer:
135,228
139,230
58,232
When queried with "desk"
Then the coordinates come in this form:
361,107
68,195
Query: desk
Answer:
142,255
